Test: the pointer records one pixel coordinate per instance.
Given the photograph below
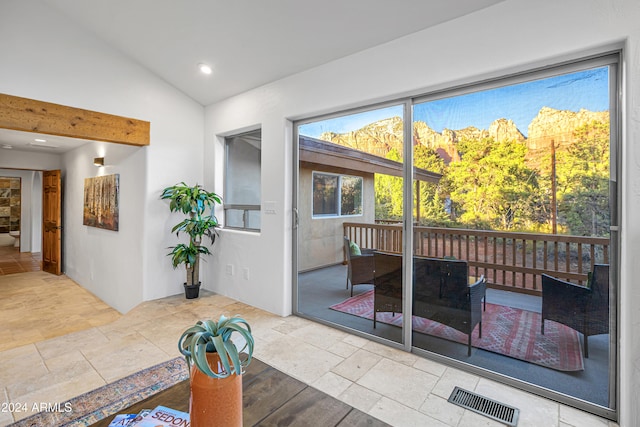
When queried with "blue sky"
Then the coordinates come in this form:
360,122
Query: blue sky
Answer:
521,103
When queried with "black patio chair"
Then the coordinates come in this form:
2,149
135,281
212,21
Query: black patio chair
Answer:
582,308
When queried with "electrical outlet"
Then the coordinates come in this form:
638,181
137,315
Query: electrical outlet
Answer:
229,269
245,273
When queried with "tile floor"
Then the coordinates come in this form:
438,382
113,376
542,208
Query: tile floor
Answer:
30,312
399,388
13,261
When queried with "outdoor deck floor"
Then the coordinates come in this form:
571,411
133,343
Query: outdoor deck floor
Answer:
319,289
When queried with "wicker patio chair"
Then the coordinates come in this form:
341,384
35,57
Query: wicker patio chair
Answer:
387,295
359,267
582,308
441,292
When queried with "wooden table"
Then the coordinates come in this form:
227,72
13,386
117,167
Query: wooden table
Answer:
270,398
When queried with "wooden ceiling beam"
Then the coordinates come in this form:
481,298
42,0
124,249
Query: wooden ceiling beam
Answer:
29,115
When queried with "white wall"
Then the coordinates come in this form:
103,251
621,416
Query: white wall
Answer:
512,36
25,159
49,58
95,257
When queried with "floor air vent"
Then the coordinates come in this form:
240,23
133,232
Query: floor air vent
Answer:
487,407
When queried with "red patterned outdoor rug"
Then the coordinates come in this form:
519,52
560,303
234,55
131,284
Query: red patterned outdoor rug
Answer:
505,330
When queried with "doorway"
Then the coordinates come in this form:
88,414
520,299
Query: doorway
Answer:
21,246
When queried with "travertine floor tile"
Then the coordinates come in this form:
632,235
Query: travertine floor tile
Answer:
59,385
332,384
43,306
124,355
360,397
453,377
319,335
575,417
399,382
396,414
21,365
74,341
430,366
58,390
6,417
356,341
391,353
471,419
291,323
356,365
440,409
299,359
534,410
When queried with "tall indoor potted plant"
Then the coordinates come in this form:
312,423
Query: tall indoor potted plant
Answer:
215,370
198,204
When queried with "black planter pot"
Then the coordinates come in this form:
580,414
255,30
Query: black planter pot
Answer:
191,291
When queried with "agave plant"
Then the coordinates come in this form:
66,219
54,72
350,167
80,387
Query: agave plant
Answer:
208,336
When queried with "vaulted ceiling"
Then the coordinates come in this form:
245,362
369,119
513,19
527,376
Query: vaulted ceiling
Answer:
248,43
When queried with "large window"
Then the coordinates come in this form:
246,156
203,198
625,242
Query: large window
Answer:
336,195
503,243
242,181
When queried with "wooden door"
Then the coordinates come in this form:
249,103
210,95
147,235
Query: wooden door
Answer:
51,222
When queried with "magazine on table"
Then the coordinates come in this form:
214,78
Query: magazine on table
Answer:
162,416
122,420
138,417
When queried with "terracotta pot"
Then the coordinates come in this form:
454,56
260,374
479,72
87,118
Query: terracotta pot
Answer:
215,401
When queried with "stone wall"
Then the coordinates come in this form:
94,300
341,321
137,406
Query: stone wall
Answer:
9,204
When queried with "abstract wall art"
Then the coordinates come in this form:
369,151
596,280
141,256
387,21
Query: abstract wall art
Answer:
101,202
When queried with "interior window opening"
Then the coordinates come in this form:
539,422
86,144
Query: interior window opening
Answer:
242,197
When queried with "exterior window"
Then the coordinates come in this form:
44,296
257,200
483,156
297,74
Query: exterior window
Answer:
242,181
336,195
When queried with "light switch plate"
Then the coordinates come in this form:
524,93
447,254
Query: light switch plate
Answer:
270,208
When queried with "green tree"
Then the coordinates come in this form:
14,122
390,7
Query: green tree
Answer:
491,186
582,172
388,191
429,197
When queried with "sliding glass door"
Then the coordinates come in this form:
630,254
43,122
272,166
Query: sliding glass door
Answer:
495,227
513,246
350,206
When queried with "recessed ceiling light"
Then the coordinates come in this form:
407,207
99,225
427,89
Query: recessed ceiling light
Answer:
43,145
204,68
40,140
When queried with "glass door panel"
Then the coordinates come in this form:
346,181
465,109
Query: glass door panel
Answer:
349,221
512,246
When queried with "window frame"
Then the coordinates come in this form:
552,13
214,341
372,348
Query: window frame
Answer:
338,213
245,208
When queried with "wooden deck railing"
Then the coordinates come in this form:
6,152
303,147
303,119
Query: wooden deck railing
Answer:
510,261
